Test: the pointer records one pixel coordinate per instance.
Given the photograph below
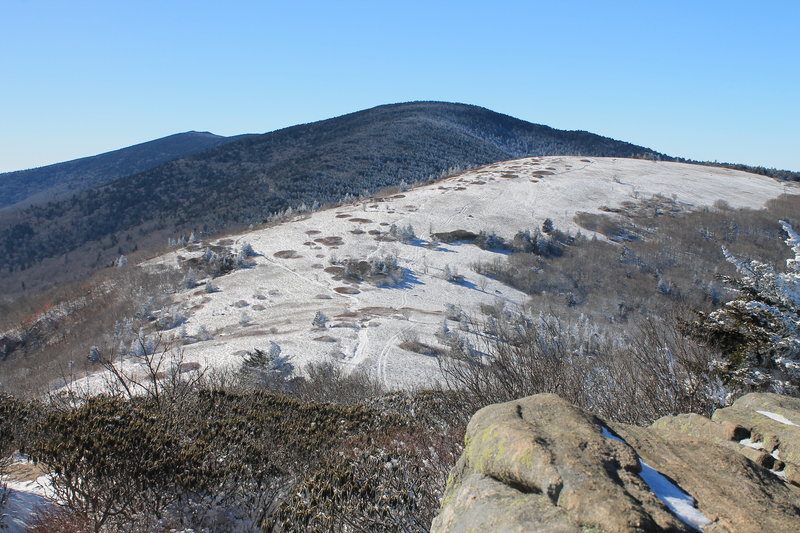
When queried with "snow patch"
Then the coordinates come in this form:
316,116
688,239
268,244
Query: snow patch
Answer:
25,498
778,418
750,444
679,502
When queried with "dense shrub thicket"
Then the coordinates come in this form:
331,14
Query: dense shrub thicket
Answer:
240,461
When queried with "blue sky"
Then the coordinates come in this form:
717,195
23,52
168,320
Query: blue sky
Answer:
701,79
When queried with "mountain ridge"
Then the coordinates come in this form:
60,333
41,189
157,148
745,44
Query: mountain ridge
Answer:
20,188
247,180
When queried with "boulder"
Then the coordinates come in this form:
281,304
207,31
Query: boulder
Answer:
539,464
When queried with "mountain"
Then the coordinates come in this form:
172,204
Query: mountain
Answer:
36,185
245,181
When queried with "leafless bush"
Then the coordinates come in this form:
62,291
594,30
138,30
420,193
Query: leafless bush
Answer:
672,265
55,338
326,381
59,520
653,372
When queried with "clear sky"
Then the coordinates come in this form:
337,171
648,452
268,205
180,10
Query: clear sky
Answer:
711,80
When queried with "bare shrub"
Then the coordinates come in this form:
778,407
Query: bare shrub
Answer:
326,381
59,520
657,371
56,337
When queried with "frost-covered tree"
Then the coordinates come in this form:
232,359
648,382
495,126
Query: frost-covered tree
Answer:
267,368
759,330
247,250
242,259
203,334
403,233
190,279
94,354
489,240
451,275
320,319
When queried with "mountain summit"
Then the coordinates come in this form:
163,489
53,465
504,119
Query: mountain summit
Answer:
244,181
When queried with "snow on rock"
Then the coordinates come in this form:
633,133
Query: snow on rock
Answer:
778,418
678,501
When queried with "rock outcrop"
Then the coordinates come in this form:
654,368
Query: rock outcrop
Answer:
540,464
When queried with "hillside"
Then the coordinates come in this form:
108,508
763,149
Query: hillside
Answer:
303,265
327,330
26,187
243,182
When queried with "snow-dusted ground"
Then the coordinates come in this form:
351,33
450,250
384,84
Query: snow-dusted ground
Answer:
281,295
28,492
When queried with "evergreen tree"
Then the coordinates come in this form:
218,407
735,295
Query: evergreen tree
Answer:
267,368
759,330
320,319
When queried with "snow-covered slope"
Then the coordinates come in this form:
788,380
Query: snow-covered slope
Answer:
288,283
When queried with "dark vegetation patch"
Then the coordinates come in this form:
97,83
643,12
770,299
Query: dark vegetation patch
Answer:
360,220
380,271
330,241
287,254
346,290
202,458
421,348
458,235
